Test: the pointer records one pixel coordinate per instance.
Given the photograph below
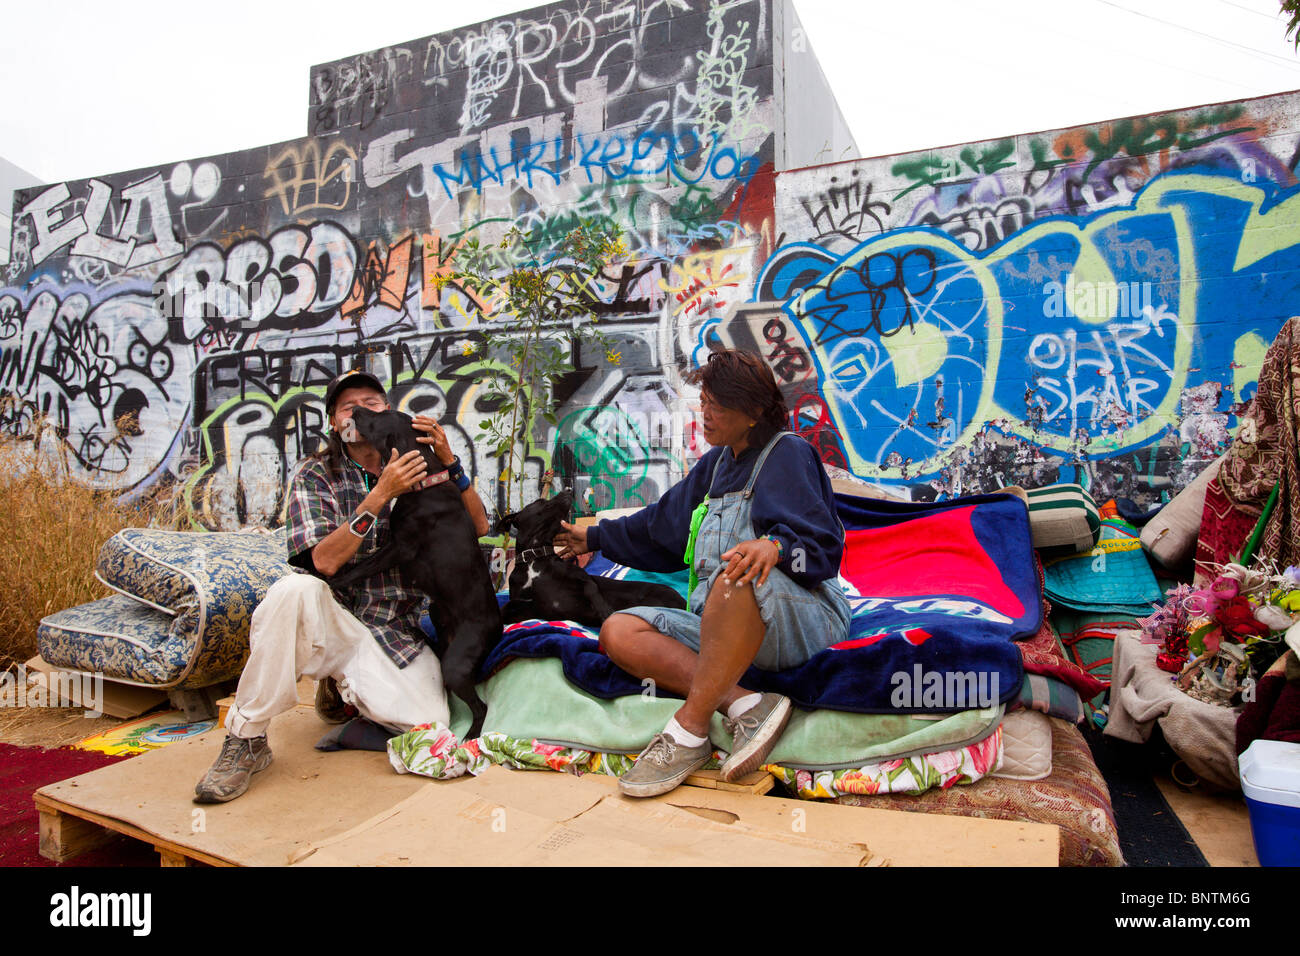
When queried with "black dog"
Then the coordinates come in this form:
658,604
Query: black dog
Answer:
433,541
543,585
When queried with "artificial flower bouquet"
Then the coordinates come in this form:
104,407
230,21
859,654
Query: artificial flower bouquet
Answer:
1220,639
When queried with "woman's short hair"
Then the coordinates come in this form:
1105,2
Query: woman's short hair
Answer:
742,381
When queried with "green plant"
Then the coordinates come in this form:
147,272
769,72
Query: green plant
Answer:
537,303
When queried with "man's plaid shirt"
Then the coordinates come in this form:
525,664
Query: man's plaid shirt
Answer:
389,603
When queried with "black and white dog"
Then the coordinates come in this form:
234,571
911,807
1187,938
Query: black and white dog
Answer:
433,541
543,585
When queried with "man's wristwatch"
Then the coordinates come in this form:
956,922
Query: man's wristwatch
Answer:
361,524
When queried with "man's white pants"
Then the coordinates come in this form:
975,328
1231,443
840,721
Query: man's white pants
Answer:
300,630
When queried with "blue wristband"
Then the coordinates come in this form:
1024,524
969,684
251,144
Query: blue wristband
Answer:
462,480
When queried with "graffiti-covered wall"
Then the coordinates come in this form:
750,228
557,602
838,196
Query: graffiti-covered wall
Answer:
179,323
1083,304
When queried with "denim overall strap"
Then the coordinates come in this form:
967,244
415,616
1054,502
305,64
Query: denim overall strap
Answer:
732,512
758,465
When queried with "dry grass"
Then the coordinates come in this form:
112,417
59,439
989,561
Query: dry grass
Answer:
50,727
52,528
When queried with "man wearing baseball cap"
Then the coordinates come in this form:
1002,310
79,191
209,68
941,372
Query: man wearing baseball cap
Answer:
363,644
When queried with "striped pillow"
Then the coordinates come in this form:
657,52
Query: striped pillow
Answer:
1063,520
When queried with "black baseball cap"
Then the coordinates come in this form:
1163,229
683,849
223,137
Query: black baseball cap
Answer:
354,378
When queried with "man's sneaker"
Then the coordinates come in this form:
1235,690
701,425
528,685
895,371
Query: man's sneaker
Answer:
662,766
233,770
754,733
329,702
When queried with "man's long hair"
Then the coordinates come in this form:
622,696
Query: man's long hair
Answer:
742,381
333,454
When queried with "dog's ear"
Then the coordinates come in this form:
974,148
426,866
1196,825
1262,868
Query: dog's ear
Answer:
507,522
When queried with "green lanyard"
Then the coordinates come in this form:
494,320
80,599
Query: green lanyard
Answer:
697,519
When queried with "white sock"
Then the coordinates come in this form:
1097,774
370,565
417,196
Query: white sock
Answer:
683,736
743,704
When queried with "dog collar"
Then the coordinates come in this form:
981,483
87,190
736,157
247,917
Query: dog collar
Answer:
531,553
432,480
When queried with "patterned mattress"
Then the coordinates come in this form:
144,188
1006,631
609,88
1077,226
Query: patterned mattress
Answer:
1074,797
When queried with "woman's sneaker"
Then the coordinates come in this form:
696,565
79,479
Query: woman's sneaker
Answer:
662,766
754,734
233,770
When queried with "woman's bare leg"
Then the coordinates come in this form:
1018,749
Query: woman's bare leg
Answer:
731,632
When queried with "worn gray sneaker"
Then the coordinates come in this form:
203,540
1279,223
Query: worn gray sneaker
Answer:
754,734
233,770
662,766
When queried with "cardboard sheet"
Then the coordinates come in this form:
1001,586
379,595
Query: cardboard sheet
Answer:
350,808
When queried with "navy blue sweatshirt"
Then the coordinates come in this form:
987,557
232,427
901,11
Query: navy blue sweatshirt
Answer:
792,500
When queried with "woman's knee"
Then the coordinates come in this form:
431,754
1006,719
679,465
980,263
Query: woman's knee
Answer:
619,634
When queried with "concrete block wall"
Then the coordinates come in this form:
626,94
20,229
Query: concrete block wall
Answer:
1088,304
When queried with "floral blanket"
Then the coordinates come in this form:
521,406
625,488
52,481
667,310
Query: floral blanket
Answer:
538,720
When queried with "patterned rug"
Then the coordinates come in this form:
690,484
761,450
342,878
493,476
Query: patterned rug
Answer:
145,733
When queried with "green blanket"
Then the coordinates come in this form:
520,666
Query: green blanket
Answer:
530,699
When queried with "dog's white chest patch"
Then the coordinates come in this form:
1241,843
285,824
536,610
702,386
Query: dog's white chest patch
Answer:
534,572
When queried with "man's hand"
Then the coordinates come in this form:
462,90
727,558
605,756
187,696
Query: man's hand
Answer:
572,540
749,559
400,475
434,435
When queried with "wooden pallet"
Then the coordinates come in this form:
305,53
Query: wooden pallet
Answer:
67,831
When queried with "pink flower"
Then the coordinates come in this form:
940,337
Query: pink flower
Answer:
890,765
984,753
442,745
471,747
546,749
803,780
945,761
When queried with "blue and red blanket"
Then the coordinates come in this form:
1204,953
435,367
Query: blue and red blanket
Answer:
940,594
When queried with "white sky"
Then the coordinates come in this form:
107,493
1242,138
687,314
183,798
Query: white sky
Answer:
94,88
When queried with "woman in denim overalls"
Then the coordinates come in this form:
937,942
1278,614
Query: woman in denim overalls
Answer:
744,610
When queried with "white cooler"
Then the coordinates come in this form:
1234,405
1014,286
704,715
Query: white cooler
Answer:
1270,778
